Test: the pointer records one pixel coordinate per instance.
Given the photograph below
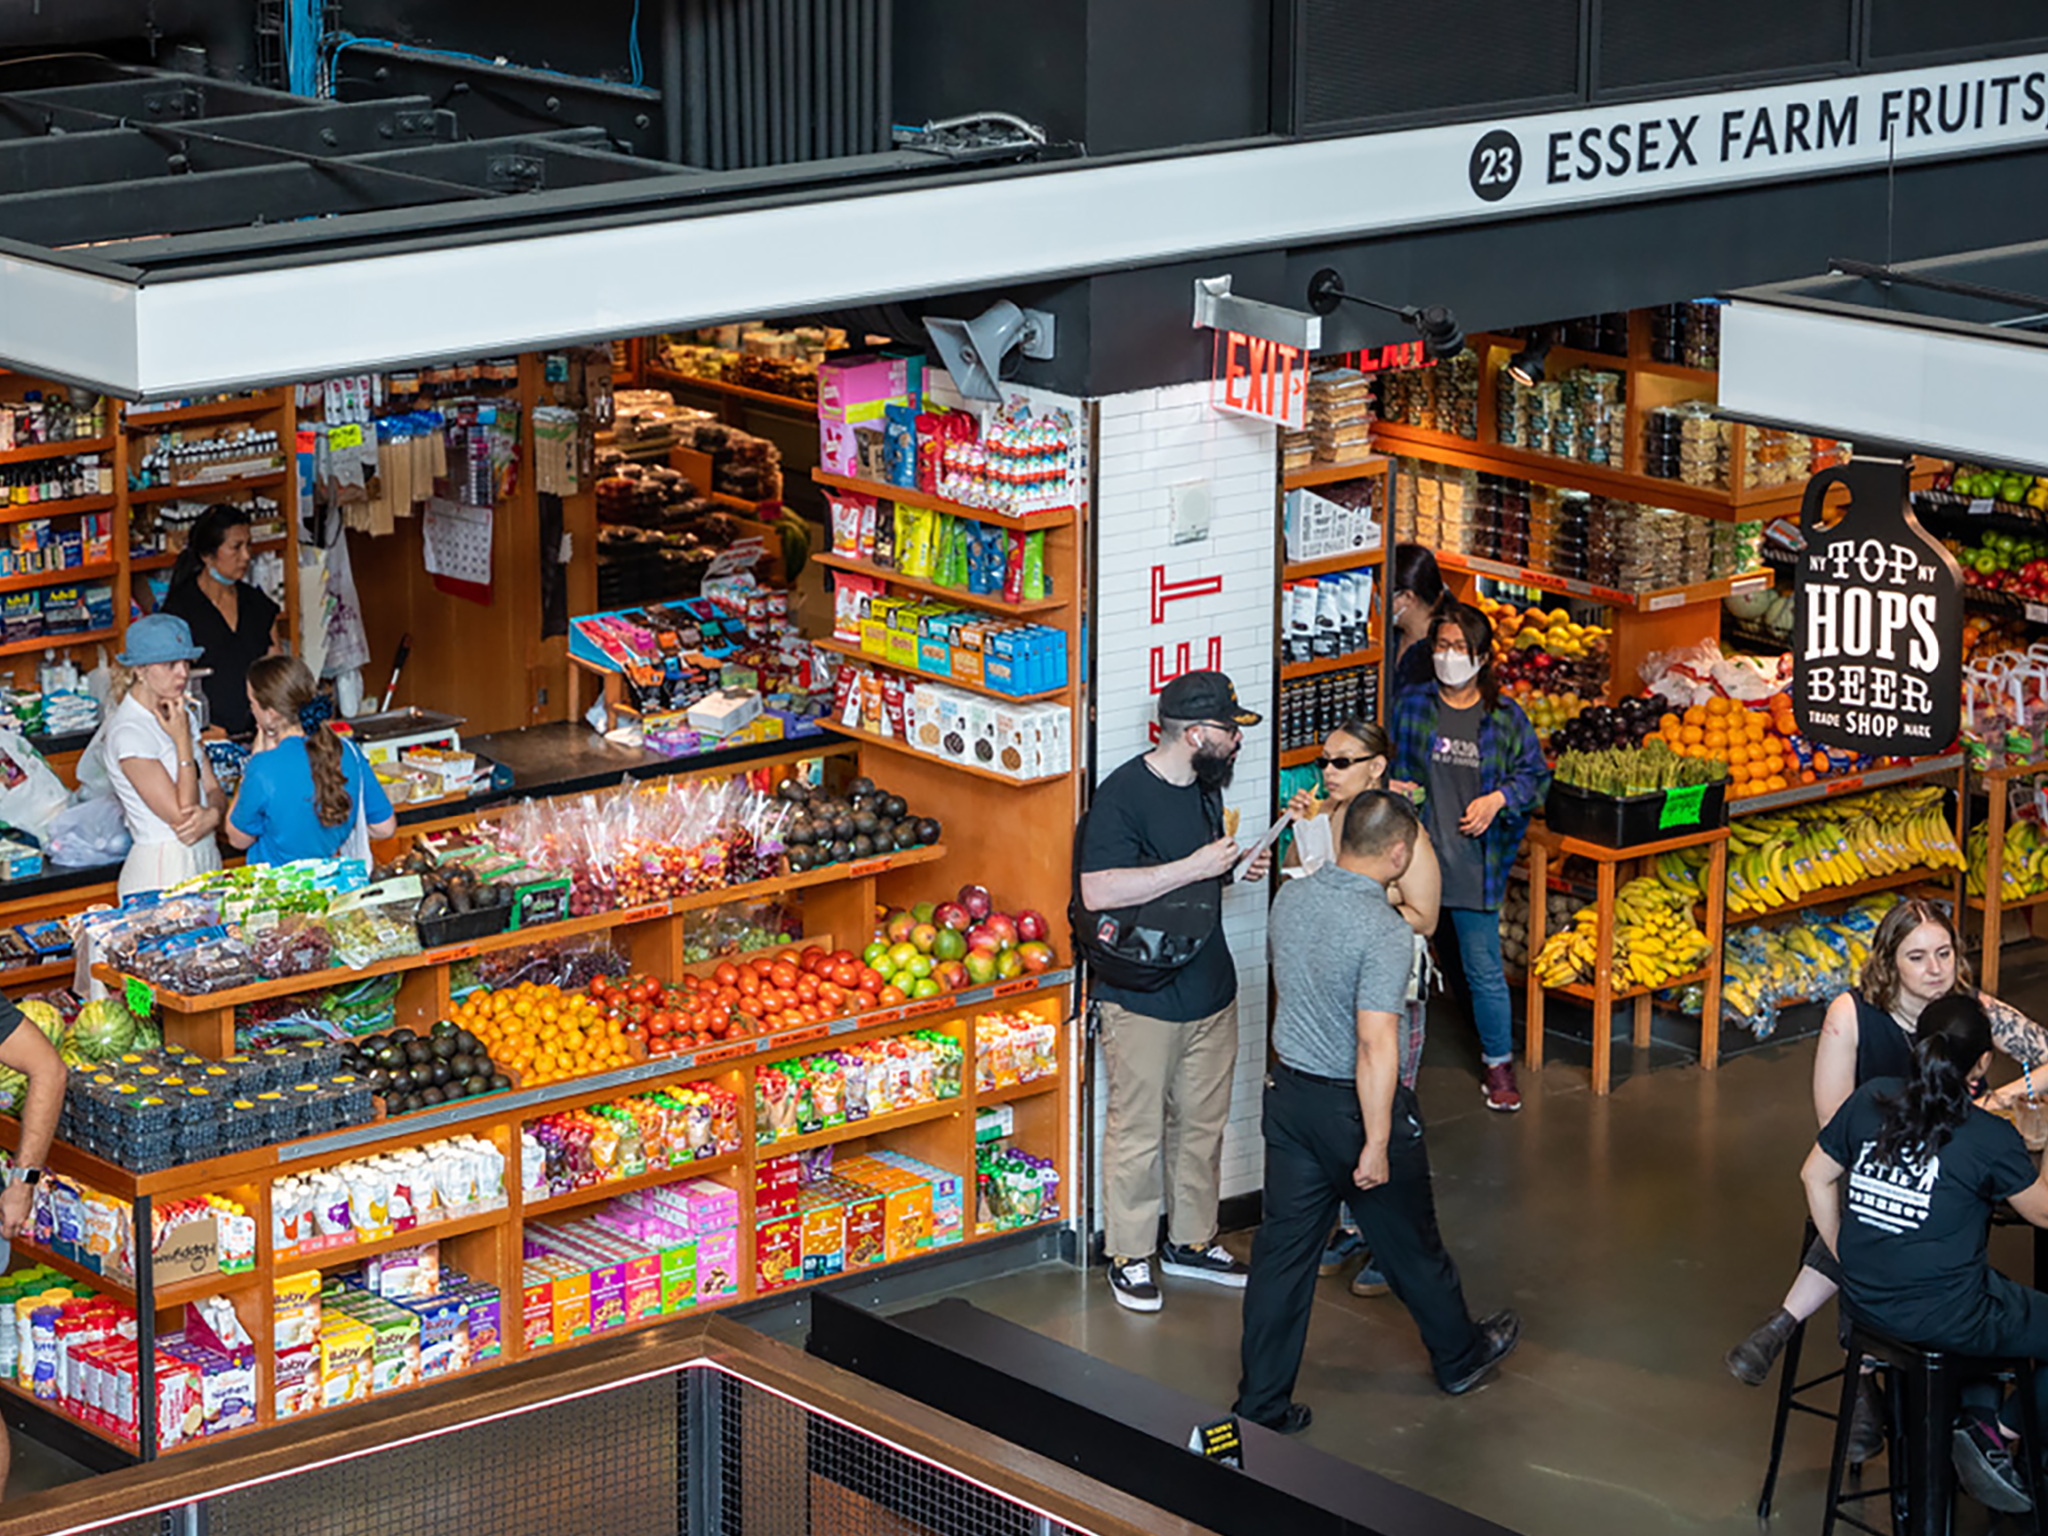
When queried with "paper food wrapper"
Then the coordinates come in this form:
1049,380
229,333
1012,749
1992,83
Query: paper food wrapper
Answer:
1230,823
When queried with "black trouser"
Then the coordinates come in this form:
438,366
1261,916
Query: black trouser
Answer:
1314,1135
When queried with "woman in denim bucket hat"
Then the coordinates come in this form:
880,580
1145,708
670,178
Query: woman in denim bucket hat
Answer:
166,787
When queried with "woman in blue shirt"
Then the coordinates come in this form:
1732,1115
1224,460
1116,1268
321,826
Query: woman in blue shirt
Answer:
302,796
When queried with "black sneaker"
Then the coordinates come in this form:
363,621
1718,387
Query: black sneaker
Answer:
1984,1467
1499,1334
1292,1422
1212,1263
1130,1281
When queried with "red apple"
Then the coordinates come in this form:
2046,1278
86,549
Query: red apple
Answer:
1036,956
1009,964
950,914
898,927
1031,925
924,936
1004,927
977,901
983,939
981,966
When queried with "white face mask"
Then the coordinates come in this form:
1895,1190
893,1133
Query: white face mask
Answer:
1454,670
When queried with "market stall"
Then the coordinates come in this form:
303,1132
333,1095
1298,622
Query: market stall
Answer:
752,990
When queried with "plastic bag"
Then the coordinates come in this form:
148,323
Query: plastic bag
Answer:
31,794
88,832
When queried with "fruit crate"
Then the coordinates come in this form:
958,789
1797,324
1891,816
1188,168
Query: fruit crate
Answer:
461,927
1625,821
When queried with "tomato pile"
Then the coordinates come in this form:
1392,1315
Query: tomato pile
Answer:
759,995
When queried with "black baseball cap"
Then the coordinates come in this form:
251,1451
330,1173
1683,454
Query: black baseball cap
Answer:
1204,696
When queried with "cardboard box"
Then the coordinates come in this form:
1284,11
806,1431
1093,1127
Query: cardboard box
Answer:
718,1267
824,1236
776,1183
778,1252
679,1276
538,1312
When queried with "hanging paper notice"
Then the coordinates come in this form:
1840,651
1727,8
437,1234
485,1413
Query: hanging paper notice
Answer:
458,541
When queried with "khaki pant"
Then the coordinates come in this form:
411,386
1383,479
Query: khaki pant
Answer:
1169,1098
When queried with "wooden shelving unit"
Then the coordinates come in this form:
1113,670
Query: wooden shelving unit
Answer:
1052,517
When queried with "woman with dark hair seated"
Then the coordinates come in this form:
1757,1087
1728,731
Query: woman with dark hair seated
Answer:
1901,1184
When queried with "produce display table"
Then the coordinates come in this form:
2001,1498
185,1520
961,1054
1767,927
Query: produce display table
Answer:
1992,906
1545,849
487,1243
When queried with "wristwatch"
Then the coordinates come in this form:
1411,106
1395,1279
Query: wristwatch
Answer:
30,1176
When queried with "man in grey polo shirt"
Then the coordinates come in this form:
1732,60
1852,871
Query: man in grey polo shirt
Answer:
1339,1126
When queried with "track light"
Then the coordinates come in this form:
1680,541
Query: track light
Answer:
1435,324
1526,366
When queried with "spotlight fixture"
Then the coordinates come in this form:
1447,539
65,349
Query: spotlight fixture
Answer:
1526,366
1435,324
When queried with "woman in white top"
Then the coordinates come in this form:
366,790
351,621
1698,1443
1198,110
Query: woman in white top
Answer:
166,787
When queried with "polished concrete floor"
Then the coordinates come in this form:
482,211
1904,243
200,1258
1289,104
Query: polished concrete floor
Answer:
1638,1235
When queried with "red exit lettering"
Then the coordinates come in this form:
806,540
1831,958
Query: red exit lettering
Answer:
1256,377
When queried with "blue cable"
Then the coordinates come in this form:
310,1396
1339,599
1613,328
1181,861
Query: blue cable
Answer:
346,40
633,43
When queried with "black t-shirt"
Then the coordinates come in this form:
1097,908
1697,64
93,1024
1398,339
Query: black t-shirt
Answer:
11,1017
1137,819
1912,1241
228,652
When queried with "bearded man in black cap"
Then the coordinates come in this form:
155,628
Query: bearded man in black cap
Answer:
1157,830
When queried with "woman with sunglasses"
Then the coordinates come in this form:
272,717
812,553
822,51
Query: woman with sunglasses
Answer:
1353,761
1482,775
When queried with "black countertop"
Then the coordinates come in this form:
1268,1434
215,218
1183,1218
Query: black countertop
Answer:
561,759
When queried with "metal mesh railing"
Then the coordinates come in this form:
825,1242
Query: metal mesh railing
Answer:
698,1450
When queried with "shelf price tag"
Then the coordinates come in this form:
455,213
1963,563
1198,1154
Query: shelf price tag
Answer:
866,867
1013,988
1980,506
141,997
2037,613
350,436
925,1005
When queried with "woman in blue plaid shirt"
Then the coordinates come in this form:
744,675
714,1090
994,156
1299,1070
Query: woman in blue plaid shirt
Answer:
1476,761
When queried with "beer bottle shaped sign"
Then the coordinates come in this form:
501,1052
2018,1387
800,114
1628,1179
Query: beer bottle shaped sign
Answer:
1877,662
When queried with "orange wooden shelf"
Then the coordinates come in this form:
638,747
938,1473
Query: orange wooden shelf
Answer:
1653,601
868,738
1329,565
29,453
1054,517
1370,657
355,1253
669,378
1583,990
1025,1090
28,511
212,410
873,1125
986,601
208,490
1335,474
611,1188
1301,757
855,653
103,571
1839,893
54,642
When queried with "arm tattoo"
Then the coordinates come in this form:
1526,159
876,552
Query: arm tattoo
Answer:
2014,1033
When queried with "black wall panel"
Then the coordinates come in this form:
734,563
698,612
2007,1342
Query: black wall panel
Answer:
1902,30
1365,62
1645,44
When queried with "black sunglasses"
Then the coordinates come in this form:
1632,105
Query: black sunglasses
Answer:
1219,725
1342,762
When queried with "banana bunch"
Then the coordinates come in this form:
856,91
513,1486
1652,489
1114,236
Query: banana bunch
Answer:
1813,958
1655,940
1781,860
1684,872
2023,870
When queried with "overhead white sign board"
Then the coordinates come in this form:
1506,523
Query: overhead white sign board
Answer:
469,295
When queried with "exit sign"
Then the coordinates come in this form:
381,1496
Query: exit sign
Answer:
1260,378
1398,354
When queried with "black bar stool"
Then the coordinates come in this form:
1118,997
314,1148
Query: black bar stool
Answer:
1790,1390
1925,1392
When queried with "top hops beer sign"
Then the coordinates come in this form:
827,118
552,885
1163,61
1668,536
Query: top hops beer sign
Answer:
1878,642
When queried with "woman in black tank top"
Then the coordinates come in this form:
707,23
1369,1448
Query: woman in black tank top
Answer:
1867,1034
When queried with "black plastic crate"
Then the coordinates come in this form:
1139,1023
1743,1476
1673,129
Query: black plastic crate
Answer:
461,927
1629,820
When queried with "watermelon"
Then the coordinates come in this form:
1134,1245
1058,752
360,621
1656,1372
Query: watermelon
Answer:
47,1019
13,1089
103,1029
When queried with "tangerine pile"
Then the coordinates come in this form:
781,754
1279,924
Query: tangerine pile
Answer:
1754,741
544,1034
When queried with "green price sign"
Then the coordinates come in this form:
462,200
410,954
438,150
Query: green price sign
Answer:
1682,807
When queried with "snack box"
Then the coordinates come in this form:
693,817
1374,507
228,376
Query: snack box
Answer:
718,1267
778,1252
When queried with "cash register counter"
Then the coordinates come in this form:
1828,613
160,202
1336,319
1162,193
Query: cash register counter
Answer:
538,762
